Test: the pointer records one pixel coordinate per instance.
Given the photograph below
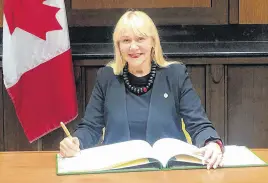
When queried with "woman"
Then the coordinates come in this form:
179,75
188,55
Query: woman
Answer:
140,95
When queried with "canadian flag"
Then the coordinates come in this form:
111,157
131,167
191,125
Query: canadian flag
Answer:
37,65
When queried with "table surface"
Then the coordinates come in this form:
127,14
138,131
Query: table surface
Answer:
40,167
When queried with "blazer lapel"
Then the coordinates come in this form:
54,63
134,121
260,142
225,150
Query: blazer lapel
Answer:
157,98
119,110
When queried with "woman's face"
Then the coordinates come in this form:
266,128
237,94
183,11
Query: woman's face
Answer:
135,50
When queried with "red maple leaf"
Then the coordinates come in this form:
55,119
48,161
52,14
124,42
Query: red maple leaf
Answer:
32,16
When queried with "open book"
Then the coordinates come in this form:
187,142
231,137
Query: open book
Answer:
138,155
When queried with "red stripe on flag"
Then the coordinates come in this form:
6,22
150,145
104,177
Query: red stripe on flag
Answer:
45,96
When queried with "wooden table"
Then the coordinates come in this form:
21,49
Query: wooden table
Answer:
39,167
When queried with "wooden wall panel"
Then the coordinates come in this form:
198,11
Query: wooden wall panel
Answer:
214,12
51,141
197,75
233,11
247,106
209,83
15,139
234,96
107,4
2,147
94,62
215,97
253,11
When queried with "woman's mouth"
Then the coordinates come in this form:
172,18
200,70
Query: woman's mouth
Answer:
136,55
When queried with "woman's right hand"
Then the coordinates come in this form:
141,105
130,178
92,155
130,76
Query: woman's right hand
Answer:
69,146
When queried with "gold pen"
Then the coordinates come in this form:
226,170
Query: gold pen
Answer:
65,130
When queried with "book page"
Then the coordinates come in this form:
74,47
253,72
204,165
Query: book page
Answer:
240,155
105,157
167,148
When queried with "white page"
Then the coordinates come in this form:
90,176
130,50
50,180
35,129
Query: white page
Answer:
105,156
167,147
240,155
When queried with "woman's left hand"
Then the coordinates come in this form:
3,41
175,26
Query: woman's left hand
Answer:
212,155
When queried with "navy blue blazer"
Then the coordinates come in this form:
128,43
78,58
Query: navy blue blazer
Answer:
107,108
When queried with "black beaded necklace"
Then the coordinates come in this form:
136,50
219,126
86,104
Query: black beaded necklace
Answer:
140,90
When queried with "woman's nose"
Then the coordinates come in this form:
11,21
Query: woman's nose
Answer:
133,45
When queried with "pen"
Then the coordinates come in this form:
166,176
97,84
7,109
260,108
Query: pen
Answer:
65,129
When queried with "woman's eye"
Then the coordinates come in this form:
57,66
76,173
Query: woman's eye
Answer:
141,38
125,40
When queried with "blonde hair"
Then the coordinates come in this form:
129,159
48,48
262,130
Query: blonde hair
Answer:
140,23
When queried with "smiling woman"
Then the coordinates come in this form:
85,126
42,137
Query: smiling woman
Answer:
137,43
136,49
141,96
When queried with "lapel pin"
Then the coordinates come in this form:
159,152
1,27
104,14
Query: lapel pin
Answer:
165,95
